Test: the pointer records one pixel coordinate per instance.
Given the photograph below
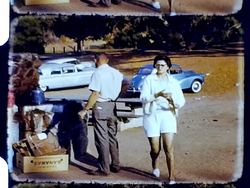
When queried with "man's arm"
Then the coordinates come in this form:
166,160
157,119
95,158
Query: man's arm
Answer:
126,84
92,100
55,120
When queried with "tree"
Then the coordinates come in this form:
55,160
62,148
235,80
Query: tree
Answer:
233,30
139,32
27,35
80,28
47,23
204,31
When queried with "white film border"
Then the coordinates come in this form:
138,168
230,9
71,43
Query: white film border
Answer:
4,21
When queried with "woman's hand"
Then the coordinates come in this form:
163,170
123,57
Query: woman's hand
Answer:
176,106
163,94
168,96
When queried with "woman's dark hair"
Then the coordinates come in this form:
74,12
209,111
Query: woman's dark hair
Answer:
164,58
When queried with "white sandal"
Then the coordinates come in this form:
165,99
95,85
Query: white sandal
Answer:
173,14
172,182
156,5
156,172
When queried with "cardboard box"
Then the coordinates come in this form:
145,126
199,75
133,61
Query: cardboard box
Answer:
46,163
22,148
39,144
44,2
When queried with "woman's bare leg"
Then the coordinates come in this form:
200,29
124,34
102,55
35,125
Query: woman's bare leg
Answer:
155,145
170,3
167,139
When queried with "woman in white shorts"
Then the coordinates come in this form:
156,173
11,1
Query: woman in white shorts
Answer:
161,96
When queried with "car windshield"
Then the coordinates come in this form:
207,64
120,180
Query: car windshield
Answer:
145,71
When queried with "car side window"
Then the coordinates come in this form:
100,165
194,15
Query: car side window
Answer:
145,71
175,70
56,71
79,70
75,62
67,70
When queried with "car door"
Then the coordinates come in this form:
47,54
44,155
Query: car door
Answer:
84,75
177,73
53,80
69,76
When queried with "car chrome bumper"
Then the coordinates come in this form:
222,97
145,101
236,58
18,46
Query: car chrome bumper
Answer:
133,90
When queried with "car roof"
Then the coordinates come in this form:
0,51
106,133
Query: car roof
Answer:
61,60
49,66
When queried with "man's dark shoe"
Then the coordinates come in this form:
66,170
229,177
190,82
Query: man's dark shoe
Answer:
114,169
116,2
98,173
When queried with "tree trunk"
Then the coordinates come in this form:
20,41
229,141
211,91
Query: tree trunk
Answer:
79,47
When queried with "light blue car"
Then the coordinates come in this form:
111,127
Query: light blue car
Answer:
65,75
188,80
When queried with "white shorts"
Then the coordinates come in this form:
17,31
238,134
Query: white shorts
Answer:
159,122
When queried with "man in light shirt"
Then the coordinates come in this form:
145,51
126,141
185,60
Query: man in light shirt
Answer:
106,85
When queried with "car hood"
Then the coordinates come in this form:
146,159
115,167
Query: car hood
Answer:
137,80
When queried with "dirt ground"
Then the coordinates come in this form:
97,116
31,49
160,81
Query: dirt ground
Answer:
209,142
134,7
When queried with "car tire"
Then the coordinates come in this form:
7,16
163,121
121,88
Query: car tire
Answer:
44,88
196,86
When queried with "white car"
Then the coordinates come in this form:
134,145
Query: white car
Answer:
55,76
74,61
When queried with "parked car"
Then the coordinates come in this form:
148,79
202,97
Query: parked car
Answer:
188,80
74,61
54,76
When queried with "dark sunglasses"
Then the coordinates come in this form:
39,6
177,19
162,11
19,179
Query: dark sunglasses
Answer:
162,65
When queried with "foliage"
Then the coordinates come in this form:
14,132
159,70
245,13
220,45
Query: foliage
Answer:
174,33
164,33
27,35
80,28
199,32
